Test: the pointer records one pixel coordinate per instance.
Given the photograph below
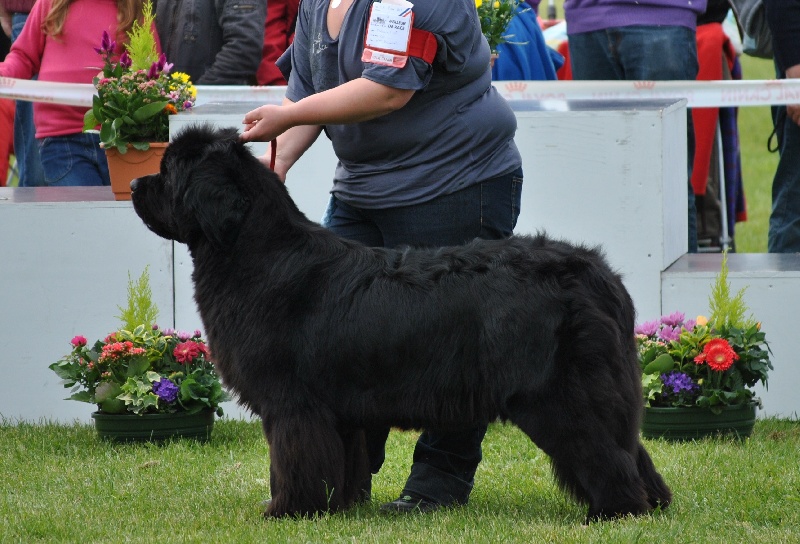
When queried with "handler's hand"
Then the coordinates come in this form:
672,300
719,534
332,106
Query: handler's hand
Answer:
264,124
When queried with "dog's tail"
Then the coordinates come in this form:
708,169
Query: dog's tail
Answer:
658,494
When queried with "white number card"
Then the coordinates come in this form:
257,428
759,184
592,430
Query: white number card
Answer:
389,27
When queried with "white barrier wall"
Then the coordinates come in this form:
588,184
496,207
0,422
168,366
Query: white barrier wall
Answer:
611,173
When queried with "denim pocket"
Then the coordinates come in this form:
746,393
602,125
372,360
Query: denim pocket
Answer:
56,156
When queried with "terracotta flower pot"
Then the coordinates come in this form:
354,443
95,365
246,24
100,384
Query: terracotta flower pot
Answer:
694,422
125,167
154,427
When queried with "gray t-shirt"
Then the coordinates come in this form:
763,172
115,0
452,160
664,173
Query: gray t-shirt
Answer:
454,132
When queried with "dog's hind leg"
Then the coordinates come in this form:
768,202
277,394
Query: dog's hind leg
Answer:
658,493
587,462
357,478
307,465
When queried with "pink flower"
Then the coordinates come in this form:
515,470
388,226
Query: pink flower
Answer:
78,341
186,352
719,355
116,350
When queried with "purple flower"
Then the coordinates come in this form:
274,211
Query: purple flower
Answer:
168,332
675,319
163,65
690,324
648,328
166,390
668,333
678,381
153,72
183,336
107,45
197,333
125,60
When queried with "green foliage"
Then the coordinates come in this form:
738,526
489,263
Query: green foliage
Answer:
125,372
713,363
136,93
724,309
495,15
141,310
690,364
141,44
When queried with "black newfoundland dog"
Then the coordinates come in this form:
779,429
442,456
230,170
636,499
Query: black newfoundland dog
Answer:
323,337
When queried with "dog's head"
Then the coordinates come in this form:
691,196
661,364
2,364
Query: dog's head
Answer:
204,188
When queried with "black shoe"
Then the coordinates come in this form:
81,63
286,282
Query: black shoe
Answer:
410,504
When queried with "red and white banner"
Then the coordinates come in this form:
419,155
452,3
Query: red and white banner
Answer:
699,94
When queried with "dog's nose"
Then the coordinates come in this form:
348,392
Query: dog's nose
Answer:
134,183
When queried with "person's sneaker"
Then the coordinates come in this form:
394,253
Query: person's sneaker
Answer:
409,504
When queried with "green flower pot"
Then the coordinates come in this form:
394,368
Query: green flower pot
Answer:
154,427
695,422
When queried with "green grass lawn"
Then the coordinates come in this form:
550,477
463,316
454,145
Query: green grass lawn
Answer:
62,484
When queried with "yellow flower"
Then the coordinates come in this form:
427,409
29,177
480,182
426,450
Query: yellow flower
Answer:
193,91
478,3
496,4
701,320
180,76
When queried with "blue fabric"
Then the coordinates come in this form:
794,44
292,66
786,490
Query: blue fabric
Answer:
642,53
74,160
29,165
526,56
444,461
734,187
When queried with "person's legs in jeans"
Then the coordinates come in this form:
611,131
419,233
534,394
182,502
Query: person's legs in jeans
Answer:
784,220
642,53
444,460
74,160
29,165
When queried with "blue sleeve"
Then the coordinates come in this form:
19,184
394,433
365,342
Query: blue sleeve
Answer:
525,55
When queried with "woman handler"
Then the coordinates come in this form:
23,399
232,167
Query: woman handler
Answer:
426,158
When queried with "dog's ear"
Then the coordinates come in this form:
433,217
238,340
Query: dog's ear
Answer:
214,196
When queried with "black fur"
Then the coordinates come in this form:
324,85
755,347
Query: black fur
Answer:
323,337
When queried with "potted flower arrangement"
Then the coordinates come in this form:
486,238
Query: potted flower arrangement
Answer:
136,94
697,374
147,382
495,16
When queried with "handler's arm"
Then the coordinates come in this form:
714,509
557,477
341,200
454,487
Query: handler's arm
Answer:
355,101
290,146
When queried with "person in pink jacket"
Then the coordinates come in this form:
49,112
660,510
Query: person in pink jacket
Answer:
58,43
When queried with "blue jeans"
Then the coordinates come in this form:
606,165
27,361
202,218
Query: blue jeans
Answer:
784,221
29,165
641,53
444,461
73,160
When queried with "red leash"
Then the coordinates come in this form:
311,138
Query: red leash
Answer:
273,149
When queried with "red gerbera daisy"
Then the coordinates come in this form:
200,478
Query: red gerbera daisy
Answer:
719,355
